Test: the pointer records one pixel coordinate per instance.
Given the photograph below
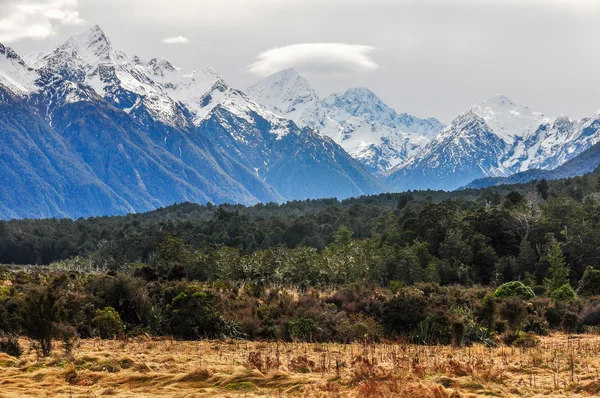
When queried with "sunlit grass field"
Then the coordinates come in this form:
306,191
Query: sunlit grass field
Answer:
146,367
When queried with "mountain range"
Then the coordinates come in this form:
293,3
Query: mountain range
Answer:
88,130
357,119
492,140
497,138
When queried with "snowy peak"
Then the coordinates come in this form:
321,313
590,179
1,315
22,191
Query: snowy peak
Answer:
288,93
358,120
495,138
156,88
359,102
507,119
15,74
93,41
81,53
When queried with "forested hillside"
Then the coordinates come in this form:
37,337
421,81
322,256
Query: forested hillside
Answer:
472,236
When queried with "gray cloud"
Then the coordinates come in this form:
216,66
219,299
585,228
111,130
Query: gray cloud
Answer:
36,19
435,57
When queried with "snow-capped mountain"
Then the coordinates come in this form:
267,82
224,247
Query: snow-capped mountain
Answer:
15,75
494,138
358,120
147,134
155,87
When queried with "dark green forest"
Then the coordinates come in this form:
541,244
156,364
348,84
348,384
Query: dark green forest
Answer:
438,267
468,237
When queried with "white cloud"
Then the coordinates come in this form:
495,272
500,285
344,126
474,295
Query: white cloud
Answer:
323,58
36,19
176,40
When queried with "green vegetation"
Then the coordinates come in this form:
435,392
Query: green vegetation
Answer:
515,288
435,267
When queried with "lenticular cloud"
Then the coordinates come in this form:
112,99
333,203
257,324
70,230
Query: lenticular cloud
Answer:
176,40
326,58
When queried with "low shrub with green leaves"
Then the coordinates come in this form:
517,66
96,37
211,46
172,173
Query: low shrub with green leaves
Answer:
108,323
303,329
564,293
514,289
589,285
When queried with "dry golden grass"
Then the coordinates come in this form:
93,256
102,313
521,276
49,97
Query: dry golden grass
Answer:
146,367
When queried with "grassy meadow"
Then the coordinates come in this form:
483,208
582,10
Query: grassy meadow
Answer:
559,365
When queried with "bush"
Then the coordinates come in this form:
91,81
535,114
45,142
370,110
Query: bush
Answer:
193,314
68,336
10,345
514,289
564,293
526,340
404,312
40,313
514,312
458,330
487,312
570,322
521,339
589,285
108,323
536,324
303,329
590,316
359,328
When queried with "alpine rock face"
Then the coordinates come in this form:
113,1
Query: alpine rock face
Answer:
358,120
494,138
97,132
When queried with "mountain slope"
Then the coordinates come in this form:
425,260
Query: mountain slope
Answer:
298,163
494,138
40,176
584,163
83,144
193,97
358,120
143,135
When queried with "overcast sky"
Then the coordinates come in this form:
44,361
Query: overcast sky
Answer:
426,57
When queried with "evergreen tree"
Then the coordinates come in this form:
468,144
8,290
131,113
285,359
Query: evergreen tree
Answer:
559,270
527,258
542,188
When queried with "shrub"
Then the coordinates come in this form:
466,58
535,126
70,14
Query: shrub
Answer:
487,312
458,331
590,316
435,329
514,289
108,323
555,313
68,336
359,328
589,285
10,345
526,340
41,312
570,322
303,329
404,312
564,293
145,272
193,314
536,324
514,312
521,339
